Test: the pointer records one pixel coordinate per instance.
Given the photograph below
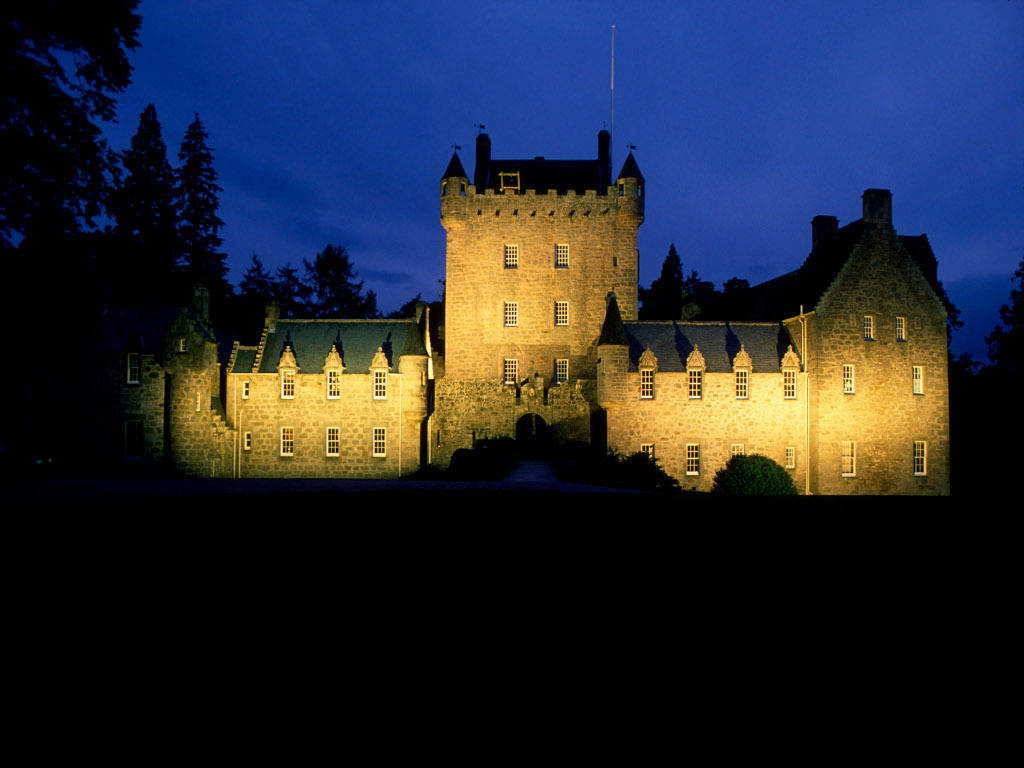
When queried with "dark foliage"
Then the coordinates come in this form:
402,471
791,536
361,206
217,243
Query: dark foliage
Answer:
1005,344
197,198
487,460
256,281
636,471
753,475
670,293
406,310
334,288
290,292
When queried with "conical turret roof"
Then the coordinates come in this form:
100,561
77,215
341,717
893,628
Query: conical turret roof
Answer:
455,169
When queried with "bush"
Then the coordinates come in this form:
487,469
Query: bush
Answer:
638,471
489,459
753,475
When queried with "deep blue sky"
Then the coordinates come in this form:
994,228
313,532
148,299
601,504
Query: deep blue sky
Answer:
332,122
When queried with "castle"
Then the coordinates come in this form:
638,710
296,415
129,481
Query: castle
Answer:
837,370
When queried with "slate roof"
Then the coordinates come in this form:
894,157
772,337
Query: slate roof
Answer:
455,168
357,342
142,330
630,170
672,341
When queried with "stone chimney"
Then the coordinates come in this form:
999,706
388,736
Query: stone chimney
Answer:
273,315
877,207
823,229
483,162
604,160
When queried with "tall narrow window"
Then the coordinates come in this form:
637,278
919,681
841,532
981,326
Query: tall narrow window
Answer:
561,313
647,448
511,256
901,329
696,378
511,314
646,383
287,441
869,327
511,370
380,385
333,385
562,255
741,385
692,459
247,441
918,376
333,441
737,449
920,458
380,441
287,385
848,379
789,385
134,365
199,401
245,390
790,457
183,344
849,466
562,370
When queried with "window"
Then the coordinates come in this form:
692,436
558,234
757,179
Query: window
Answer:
287,385
380,385
562,255
737,449
647,448
869,327
920,458
134,366
133,437
287,441
199,401
849,467
561,370
741,385
622,189
511,314
511,370
245,390
789,385
561,313
379,441
183,344
333,385
509,181
511,256
646,383
847,379
901,329
333,441
918,376
790,457
696,377
247,441
692,459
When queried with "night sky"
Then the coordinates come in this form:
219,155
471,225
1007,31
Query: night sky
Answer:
332,122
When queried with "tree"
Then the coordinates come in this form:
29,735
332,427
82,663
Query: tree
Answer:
406,310
290,292
55,164
670,293
148,248
753,475
197,201
1005,342
256,281
332,280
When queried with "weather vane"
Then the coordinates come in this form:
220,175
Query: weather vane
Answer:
480,128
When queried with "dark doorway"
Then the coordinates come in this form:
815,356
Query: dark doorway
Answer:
531,436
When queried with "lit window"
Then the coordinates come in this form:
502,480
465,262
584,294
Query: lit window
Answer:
379,441
245,390
511,256
509,181
849,467
380,385
183,344
918,379
133,437
646,383
287,441
920,458
848,379
511,314
199,401
287,385
511,370
901,329
562,255
869,327
333,385
790,457
647,448
561,313
737,449
561,370
134,364
692,459
789,385
247,441
741,385
696,378
333,441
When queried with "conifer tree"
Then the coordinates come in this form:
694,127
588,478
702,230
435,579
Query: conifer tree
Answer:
670,292
337,293
256,281
290,292
1005,344
197,201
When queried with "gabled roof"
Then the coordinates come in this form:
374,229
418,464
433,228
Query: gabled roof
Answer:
719,343
455,168
356,340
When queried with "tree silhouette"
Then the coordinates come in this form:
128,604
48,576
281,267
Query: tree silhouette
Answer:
197,201
290,292
337,293
1005,342
670,292
256,281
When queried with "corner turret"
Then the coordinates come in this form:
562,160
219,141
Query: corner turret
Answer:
630,185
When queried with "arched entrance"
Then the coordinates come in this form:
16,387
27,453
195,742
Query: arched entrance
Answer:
531,435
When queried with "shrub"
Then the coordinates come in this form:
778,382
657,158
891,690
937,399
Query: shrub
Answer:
753,475
637,471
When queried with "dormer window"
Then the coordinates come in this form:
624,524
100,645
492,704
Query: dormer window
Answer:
380,385
509,181
287,385
695,366
648,364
